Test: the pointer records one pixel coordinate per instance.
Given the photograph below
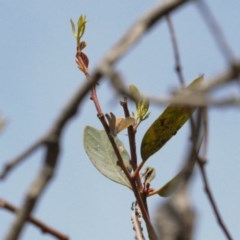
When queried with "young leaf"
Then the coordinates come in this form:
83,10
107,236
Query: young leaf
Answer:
148,175
142,104
73,28
166,125
103,157
81,27
136,93
117,125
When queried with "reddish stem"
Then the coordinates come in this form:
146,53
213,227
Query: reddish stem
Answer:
136,181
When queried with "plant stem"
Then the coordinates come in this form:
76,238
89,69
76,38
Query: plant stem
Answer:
115,147
134,181
132,143
143,207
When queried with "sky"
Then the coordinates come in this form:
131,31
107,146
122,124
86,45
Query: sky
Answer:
39,76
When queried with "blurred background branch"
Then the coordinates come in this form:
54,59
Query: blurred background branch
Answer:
175,218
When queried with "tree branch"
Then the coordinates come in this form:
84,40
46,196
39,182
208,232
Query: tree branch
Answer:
216,31
201,164
36,190
41,225
134,34
137,31
178,66
52,139
21,157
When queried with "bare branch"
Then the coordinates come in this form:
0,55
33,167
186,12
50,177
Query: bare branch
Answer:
128,40
41,225
197,100
178,66
216,31
21,157
52,139
36,190
175,219
137,31
225,49
195,97
231,74
201,164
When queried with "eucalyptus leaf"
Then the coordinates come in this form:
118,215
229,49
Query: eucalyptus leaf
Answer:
166,125
103,157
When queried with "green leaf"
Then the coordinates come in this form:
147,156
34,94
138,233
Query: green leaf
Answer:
134,91
142,104
103,157
81,27
170,187
73,28
166,125
143,110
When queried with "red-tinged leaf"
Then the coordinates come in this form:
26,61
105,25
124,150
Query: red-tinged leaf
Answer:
84,58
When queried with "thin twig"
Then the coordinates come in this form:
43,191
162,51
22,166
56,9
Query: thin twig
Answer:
195,97
201,164
195,100
47,171
135,188
178,66
115,147
115,77
216,31
136,175
52,151
94,95
10,165
137,31
132,144
229,56
134,184
128,40
35,191
175,218
196,129
151,231
131,134
206,131
54,135
41,225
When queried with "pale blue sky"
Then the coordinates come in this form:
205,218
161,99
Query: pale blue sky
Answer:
39,75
